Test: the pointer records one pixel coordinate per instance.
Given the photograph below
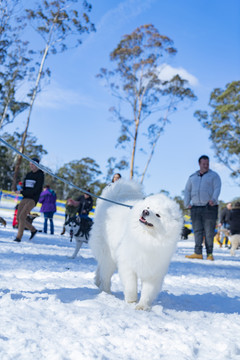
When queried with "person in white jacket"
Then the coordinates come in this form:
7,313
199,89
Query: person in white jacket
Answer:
201,196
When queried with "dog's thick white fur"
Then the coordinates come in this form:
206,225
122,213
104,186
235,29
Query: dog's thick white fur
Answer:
72,227
139,241
235,241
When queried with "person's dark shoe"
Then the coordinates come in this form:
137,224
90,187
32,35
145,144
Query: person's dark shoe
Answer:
17,240
33,233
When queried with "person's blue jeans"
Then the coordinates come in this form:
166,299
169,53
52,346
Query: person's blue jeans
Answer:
204,222
48,215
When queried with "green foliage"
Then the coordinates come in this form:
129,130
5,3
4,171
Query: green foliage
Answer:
165,192
14,61
61,26
5,169
136,82
82,173
61,23
224,125
180,202
114,167
7,158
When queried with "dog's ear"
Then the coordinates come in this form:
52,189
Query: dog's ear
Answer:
2,221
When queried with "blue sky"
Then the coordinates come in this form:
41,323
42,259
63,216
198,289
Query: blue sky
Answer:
71,117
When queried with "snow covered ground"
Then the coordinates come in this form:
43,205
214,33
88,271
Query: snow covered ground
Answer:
51,309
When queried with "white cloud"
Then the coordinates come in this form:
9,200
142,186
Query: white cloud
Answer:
56,97
115,19
125,11
166,72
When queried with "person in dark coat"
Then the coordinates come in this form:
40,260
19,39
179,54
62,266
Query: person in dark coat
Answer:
70,212
32,187
48,200
84,204
224,223
234,219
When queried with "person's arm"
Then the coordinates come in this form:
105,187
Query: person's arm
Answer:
187,193
88,205
42,197
39,184
23,185
73,202
216,189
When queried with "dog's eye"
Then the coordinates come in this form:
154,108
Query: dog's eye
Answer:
158,215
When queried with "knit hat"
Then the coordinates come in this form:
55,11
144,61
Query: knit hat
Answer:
36,160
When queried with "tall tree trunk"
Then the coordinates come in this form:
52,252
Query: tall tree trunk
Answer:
19,157
137,115
155,143
4,113
134,149
150,158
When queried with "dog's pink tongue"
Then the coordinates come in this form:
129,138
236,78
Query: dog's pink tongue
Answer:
142,219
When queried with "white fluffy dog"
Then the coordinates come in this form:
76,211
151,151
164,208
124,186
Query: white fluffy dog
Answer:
139,241
235,241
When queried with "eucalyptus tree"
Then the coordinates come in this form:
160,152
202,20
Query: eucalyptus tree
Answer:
5,169
7,157
61,25
136,82
14,59
113,166
224,125
83,173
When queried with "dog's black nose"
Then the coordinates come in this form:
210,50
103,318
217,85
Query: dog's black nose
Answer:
145,213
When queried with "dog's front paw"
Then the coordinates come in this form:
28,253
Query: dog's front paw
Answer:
131,299
130,296
143,307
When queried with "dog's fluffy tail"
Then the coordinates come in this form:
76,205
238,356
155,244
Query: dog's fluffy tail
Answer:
123,190
120,191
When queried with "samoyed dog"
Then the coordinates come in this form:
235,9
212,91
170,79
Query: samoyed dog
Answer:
139,240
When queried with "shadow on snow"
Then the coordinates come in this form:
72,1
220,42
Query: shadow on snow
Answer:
208,302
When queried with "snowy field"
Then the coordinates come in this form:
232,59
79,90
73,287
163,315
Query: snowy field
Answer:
51,309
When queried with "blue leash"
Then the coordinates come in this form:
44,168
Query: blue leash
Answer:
43,168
